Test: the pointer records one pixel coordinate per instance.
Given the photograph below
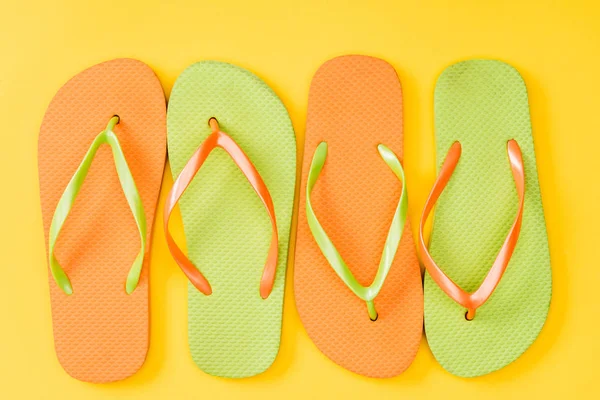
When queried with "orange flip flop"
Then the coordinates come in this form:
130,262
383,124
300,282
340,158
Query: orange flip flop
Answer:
352,227
98,256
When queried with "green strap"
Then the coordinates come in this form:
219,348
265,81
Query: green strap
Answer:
69,195
334,258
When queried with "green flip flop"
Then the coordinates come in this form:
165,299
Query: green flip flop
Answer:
489,240
235,298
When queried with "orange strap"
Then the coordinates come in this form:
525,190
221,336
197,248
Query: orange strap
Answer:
471,301
220,139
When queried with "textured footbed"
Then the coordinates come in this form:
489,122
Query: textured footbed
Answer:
233,332
483,104
101,332
355,103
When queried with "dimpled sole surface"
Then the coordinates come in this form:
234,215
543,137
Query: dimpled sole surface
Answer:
233,332
483,104
355,103
101,332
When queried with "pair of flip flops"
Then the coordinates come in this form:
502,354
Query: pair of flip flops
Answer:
98,265
357,280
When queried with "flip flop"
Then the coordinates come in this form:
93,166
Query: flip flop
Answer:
237,213
489,283
349,198
98,205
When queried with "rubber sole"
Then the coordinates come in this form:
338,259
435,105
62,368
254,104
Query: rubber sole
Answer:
355,103
233,332
101,333
483,104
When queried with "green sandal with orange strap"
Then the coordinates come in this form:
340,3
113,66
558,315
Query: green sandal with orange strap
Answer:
479,319
233,156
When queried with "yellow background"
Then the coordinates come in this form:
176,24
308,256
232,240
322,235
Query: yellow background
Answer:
554,44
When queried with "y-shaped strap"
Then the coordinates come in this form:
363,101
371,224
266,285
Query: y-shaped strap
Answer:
334,258
70,194
471,301
220,139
